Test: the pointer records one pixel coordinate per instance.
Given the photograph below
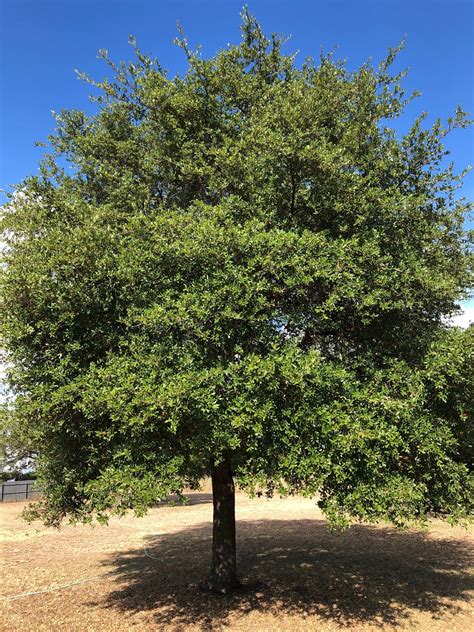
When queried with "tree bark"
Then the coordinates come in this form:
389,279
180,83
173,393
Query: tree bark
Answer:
223,574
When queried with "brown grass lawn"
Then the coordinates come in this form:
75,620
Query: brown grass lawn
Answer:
299,576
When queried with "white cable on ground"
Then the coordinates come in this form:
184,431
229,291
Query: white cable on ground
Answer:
48,590
63,586
152,557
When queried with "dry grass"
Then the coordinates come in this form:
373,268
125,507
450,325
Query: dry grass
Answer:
299,576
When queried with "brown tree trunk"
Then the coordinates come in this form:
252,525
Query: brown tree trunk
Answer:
223,573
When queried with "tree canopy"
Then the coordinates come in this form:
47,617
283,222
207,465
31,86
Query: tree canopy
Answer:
244,263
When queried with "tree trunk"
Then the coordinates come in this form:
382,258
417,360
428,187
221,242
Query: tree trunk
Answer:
223,573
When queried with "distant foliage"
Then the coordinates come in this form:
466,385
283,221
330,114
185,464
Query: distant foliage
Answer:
244,260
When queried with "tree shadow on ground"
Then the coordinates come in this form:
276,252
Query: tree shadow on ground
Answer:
187,500
366,574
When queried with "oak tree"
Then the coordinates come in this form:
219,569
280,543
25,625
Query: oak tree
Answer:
245,272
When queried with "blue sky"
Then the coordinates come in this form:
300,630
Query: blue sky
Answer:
43,41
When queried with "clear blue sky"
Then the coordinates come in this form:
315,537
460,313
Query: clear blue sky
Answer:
43,41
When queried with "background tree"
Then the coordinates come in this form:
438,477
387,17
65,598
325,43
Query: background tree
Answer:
17,459
241,271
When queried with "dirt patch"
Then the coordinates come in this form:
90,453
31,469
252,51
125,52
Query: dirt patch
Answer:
144,573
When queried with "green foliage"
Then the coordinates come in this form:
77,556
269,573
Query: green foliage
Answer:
245,259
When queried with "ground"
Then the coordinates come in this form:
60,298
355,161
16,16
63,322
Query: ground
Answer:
144,573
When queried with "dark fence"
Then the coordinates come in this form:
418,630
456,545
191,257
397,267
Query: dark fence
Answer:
18,490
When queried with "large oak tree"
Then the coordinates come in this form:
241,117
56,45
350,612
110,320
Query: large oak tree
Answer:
242,272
